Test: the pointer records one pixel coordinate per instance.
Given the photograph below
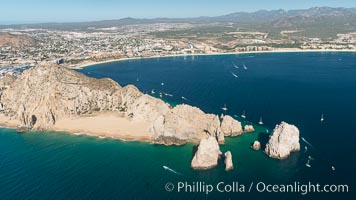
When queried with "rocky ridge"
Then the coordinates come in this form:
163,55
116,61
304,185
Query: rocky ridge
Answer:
44,94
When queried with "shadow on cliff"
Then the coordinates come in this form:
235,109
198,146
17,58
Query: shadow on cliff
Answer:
195,149
263,139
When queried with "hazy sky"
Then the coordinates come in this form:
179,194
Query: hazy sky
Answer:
25,11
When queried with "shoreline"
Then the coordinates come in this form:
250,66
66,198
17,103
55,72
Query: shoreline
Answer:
287,50
104,125
100,125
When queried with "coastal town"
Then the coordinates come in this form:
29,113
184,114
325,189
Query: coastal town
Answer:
28,47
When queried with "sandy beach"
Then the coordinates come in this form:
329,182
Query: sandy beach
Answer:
105,125
281,50
102,125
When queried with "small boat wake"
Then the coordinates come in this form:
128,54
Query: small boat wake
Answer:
184,98
171,170
243,115
167,94
308,164
304,140
224,108
234,75
260,122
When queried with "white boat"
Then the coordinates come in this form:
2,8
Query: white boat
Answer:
153,91
244,66
333,168
160,95
236,66
260,122
162,84
243,115
322,118
308,164
224,108
184,98
234,74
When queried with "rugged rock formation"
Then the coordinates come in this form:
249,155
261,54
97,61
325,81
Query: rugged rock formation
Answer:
228,161
207,154
230,127
6,81
256,145
283,141
45,94
249,128
214,129
184,123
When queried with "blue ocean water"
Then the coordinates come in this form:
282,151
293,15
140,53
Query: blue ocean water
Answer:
293,87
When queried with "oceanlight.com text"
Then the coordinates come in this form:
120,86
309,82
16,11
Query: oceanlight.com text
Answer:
261,187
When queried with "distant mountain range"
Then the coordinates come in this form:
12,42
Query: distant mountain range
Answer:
274,18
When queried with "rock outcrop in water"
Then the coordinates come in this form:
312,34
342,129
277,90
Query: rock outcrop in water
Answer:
207,154
249,128
283,141
45,94
228,161
230,127
256,145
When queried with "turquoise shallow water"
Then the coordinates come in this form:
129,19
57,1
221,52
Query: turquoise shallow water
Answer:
296,87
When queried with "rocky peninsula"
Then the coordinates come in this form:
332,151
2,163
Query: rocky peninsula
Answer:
52,97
